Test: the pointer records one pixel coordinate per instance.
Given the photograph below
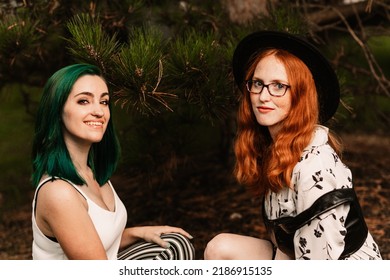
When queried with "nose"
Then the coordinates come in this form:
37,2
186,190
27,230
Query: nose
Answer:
264,95
98,111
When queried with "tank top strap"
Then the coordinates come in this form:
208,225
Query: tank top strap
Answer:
112,188
77,188
41,183
53,178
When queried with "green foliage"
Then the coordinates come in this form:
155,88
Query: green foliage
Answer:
363,101
138,72
17,35
380,45
169,68
89,42
178,17
284,17
149,74
18,40
192,68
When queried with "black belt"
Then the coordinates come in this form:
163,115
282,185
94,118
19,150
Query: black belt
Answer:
282,230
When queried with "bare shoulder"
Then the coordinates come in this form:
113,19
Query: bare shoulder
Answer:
59,193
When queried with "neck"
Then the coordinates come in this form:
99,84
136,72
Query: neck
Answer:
79,155
273,131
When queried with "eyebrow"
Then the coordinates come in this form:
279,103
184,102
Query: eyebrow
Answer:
91,94
272,81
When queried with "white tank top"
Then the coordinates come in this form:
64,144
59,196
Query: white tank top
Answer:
109,225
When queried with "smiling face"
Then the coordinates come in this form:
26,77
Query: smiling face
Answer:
86,112
269,110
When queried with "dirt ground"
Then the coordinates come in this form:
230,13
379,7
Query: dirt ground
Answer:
209,202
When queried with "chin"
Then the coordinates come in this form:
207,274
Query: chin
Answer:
265,122
94,140
97,140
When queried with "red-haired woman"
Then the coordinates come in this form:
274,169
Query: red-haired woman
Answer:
285,154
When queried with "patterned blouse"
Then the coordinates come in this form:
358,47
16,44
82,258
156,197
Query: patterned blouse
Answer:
319,171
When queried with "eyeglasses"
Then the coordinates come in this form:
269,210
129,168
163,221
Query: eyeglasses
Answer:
274,89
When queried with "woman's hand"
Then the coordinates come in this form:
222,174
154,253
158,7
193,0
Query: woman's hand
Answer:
150,234
153,233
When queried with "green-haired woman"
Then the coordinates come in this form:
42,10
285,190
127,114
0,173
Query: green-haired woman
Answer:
76,211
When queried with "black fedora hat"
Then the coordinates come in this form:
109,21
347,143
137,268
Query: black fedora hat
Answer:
325,78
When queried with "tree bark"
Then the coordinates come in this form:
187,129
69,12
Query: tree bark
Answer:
243,11
328,14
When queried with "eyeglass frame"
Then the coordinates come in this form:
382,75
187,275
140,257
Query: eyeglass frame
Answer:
265,86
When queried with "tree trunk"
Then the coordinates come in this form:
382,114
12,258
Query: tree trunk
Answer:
243,11
328,14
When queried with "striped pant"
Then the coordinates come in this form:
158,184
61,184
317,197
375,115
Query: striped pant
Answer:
180,249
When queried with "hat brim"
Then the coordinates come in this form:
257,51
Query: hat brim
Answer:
325,78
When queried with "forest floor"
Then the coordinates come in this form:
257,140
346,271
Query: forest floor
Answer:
210,202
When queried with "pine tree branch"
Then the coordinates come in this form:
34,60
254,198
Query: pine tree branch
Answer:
376,70
89,42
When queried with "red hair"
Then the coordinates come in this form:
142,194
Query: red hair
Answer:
265,164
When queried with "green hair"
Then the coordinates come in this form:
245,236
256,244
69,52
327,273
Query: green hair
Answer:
49,153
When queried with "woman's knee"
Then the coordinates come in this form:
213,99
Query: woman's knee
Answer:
180,246
219,247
